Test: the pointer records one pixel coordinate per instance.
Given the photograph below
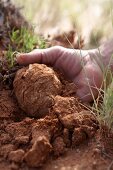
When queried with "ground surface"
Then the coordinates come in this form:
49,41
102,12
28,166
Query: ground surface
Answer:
66,136
43,125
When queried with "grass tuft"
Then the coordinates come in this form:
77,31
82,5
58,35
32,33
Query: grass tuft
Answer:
103,105
10,57
23,40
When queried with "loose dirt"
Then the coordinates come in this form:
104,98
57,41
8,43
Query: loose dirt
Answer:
62,134
43,125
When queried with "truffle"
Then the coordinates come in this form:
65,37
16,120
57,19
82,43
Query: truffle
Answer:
35,87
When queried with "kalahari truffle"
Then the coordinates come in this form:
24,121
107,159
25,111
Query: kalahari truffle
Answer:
35,87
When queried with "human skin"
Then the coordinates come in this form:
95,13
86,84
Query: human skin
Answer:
83,67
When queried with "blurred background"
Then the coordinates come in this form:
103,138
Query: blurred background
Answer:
92,19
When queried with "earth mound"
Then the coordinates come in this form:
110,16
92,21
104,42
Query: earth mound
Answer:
62,121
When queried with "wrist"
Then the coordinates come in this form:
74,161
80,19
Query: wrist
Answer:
105,53
97,57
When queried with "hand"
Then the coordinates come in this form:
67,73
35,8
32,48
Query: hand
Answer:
78,65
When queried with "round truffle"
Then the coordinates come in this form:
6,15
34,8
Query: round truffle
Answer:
35,87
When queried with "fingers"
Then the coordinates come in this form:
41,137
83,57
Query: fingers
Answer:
89,82
45,56
27,58
87,77
66,60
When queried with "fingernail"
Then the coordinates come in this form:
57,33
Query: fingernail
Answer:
18,59
17,55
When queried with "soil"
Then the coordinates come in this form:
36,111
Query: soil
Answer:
62,134
44,126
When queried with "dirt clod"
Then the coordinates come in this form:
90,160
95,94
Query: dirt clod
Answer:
59,146
47,127
38,153
66,105
78,137
35,88
6,149
21,140
16,156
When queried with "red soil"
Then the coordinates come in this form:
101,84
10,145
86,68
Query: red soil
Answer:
60,135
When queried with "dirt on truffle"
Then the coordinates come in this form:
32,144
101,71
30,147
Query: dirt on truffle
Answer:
35,87
60,135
